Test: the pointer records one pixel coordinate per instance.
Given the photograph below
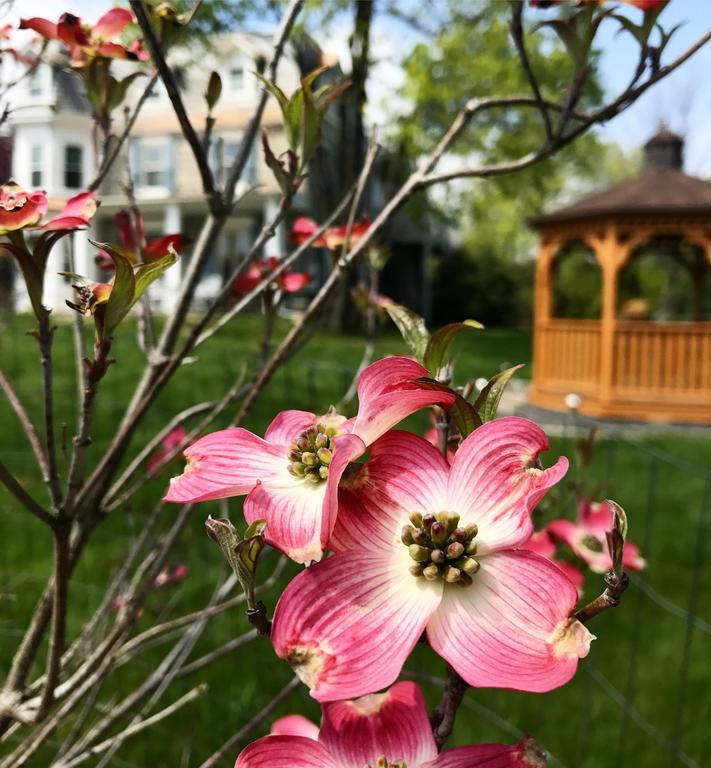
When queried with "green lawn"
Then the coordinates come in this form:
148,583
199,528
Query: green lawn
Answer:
579,724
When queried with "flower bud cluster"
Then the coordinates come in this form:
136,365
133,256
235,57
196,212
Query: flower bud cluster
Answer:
382,762
441,548
310,454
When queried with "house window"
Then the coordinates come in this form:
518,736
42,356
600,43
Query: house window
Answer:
73,161
36,163
35,83
236,78
153,164
223,154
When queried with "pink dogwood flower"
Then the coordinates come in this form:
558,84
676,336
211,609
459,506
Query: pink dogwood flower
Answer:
422,546
543,544
292,474
287,281
388,730
131,233
22,210
333,238
86,41
587,538
76,214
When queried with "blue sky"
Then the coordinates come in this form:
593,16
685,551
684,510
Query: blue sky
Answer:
683,100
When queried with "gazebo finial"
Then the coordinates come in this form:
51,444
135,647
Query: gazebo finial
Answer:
664,150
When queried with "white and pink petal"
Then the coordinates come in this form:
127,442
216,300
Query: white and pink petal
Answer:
525,754
495,483
227,463
295,725
511,628
285,752
348,623
288,425
393,725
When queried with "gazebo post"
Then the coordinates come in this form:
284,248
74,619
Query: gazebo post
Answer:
610,255
543,306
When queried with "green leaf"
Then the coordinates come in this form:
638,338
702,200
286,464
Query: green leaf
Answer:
123,290
487,404
619,518
411,326
214,90
116,89
462,412
150,272
436,354
276,166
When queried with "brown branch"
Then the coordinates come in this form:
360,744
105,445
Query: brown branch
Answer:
171,87
520,42
12,484
610,598
442,719
44,337
27,425
229,746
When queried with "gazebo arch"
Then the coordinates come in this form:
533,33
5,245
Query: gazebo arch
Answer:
629,369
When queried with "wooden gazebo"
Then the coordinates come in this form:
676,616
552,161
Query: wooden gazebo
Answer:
624,368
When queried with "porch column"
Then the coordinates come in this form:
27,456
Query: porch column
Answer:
275,246
168,289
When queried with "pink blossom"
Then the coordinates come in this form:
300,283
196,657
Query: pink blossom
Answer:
171,441
292,474
388,728
131,234
170,576
587,538
20,209
76,214
422,546
542,543
295,725
287,281
304,229
86,41
333,238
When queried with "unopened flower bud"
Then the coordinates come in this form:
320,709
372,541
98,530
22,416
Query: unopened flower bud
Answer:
331,431
420,536
452,521
419,554
294,455
468,565
323,472
472,529
465,579
471,548
427,521
455,550
431,572
438,532
302,443
297,469
313,477
324,455
416,569
406,535
459,534
416,519
321,440
310,459
437,556
452,575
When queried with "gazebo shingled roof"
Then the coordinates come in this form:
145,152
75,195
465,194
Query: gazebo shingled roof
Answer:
619,368
662,188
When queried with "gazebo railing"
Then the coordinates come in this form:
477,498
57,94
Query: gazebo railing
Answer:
568,354
657,359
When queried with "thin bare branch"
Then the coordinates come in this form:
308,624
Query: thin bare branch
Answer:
13,485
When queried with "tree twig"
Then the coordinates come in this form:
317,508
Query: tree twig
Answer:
610,598
12,484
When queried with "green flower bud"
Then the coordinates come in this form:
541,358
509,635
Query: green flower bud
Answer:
452,521
419,554
310,459
321,440
323,473
331,431
294,455
472,529
406,535
471,548
437,556
416,569
465,580
416,519
452,575
438,532
297,469
455,550
468,565
420,536
302,443
427,521
431,572
313,477
324,455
